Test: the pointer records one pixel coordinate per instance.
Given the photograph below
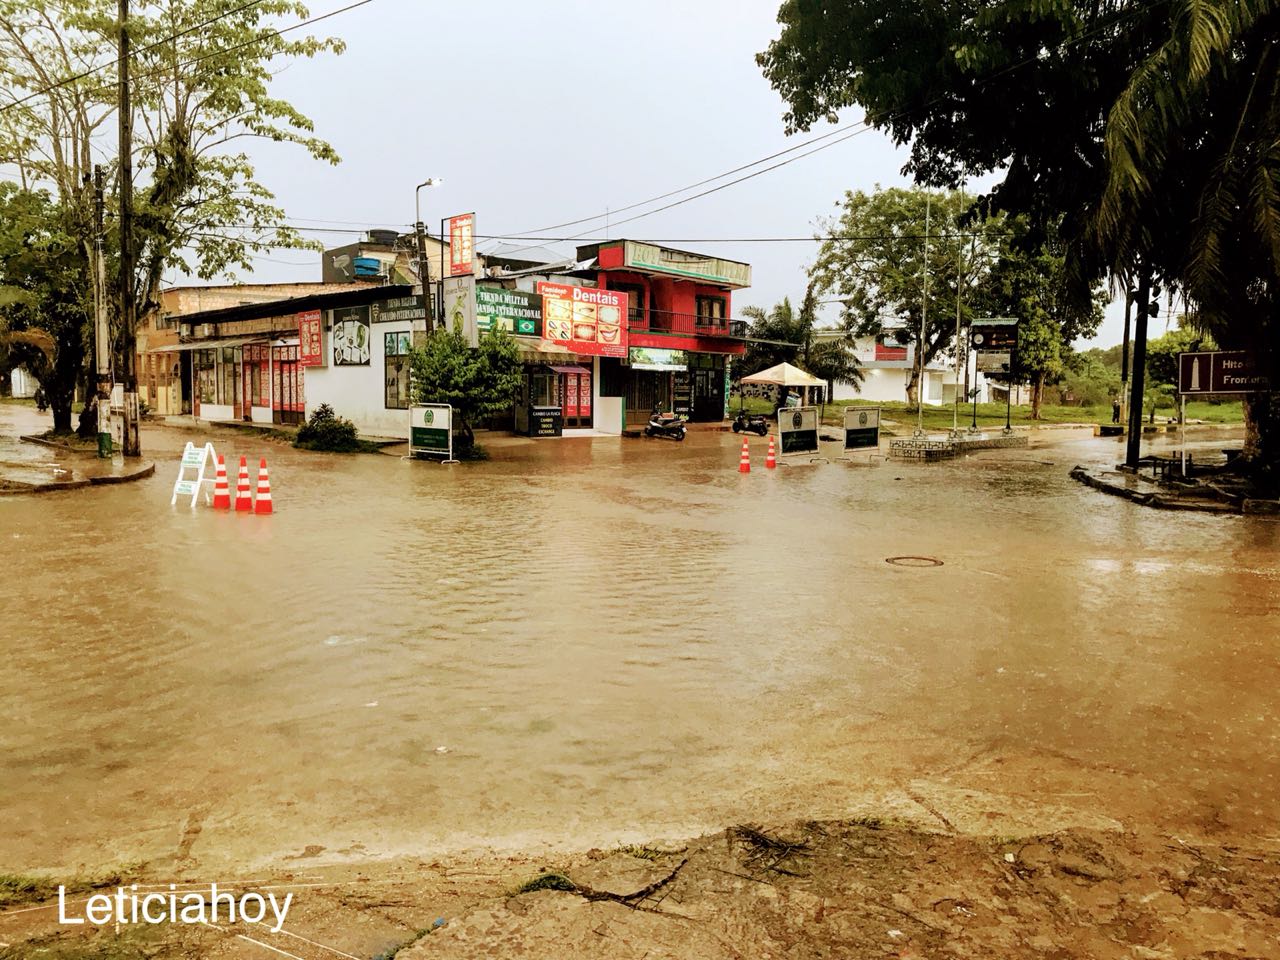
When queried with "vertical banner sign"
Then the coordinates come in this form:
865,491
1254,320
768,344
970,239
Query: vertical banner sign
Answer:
459,295
861,427
462,247
310,339
584,320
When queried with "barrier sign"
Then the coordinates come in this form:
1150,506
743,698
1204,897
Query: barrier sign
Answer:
1220,371
193,458
861,428
798,430
431,430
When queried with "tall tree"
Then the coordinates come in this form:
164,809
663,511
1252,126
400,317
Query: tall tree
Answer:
201,89
874,262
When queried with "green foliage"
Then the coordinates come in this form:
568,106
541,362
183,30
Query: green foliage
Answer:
1162,353
325,430
823,352
478,383
1091,379
781,324
44,296
547,881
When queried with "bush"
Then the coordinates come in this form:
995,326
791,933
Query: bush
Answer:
328,431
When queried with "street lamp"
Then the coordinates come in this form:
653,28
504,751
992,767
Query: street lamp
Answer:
424,273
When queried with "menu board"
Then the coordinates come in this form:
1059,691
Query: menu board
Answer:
584,320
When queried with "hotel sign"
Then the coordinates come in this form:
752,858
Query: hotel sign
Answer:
678,263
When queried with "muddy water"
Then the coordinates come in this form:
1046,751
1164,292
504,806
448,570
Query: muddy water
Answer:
582,642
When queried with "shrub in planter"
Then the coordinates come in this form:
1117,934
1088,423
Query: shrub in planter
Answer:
328,431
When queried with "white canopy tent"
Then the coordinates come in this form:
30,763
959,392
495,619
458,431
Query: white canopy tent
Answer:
787,375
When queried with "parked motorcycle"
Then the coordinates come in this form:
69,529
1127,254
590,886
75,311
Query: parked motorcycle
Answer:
665,425
751,422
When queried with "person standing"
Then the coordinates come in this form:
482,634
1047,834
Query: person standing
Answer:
1115,410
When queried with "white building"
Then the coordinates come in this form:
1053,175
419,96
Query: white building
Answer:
887,368
21,383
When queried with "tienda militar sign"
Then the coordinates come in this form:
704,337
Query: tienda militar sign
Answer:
585,320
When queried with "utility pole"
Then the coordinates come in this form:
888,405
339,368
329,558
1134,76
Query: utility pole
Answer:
924,314
101,327
1129,295
132,443
1133,445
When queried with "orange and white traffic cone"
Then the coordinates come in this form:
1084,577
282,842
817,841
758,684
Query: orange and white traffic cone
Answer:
221,492
771,458
244,499
262,503
744,465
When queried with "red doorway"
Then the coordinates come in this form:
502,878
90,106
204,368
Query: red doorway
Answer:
575,395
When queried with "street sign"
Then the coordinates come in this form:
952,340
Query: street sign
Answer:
798,430
1220,371
193,458
861,428
994,342
431,430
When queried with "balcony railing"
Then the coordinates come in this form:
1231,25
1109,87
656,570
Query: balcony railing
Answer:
684,324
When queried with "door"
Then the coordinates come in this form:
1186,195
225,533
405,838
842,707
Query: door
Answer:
575,397
708,394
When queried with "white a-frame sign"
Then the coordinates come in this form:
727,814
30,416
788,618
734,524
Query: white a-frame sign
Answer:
194,458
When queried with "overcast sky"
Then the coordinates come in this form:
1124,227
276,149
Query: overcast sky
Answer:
539,113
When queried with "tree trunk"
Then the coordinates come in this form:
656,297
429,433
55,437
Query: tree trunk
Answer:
913,385
61,407
1262,440
1037,395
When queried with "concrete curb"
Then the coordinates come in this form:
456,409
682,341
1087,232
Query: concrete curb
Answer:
53,486
1152,495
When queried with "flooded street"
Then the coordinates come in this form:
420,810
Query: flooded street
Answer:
584,642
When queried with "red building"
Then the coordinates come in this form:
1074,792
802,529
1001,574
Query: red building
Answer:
680,335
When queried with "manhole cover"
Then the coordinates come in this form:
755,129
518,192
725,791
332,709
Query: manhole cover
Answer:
914,561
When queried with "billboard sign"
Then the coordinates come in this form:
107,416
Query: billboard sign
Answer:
351,337
994,343
798,430
861,428
462,244
310,339
516,311
399,310
658,358
1220,371
585,320
460,306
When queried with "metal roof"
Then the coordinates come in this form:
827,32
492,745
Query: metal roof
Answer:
291,305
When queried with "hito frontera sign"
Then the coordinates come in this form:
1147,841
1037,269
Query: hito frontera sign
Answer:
1220,371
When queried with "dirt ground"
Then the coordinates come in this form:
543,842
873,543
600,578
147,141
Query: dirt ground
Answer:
814,889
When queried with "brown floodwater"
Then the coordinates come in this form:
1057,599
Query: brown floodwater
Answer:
583,642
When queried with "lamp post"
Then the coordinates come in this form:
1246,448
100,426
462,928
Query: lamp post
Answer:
424,271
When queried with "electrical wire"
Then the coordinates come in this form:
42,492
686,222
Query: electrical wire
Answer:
148,48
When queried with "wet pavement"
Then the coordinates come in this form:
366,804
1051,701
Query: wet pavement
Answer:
583,642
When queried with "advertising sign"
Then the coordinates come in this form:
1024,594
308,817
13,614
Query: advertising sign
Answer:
545,422
861,427
399,310
462,247
658,358
310,339
351,337
460,306
1220,371
798,430
515,311
583,320
431,430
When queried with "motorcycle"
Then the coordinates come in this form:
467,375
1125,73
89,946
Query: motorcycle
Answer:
665,425
751,422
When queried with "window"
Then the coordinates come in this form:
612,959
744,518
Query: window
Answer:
635,304
202,362
711,311
396,374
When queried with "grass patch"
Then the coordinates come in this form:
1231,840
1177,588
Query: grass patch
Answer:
18,888
547,881
19,401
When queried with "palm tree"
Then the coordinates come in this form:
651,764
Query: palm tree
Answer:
1193,195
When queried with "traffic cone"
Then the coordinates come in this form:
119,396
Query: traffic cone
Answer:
771,458
262,503
744,465
221,492
244,500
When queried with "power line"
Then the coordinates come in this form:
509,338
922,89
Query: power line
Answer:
271,34
864,126
149,47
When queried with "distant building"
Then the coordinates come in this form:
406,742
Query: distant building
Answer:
887,367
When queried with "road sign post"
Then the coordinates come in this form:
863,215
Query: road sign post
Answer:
431,430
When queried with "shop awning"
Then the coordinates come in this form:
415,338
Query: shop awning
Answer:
543,351
568,368
210,344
